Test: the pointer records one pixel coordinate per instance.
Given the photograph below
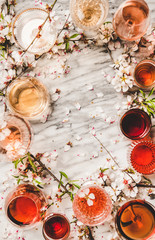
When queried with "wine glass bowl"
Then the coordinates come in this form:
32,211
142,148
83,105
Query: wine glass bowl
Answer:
88,14
56,226
135,220
142,156
26,27
144,74
25,205
135,124
18,141
28,97
131,20
92,205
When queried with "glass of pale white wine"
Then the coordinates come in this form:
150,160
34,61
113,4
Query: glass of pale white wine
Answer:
88,14
28,97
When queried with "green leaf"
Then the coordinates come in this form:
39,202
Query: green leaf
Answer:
60,183
15,176
31,163
59,44
67,46
71,196
76,185
18,181
143,94
151,92
74,35
2,16
63,174
103,170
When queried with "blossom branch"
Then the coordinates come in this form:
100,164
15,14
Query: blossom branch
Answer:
136,184
60,183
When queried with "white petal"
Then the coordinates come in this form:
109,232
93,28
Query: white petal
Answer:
81,194
89,202
91,196
86,191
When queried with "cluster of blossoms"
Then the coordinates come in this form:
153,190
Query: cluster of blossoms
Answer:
123,79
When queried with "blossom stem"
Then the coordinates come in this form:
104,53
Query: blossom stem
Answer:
49,172
57,180
136,184
39,31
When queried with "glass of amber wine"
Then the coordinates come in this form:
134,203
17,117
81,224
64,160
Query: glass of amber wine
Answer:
142,156
144,74
56,226
135,220
92,205
25,205
131,20
28,97
88,14
135,124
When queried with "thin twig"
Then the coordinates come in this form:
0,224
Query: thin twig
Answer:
136,184
49,172
63,26
90,233
40,29
57,180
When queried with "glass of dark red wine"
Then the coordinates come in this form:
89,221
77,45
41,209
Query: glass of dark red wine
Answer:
135,220
142,156
24,206
144,74
56,226
135,124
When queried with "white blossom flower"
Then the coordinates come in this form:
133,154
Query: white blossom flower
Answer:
105,32
89,197
127,104
122,82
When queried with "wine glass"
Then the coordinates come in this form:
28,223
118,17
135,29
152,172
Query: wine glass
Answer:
25,29
28,97
56,226
25,205
135,220
141,156
131,20
18,141
135,124
144,74
92,205
88,14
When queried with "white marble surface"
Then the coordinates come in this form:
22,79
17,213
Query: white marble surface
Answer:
54,134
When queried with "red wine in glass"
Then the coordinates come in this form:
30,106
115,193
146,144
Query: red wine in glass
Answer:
135,124
56,226
135,220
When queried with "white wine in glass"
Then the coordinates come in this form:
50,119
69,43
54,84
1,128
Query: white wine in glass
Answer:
88,14
131,20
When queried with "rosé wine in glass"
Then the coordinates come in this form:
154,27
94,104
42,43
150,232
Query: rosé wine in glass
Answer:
142,156
131,20
24,205
92,205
